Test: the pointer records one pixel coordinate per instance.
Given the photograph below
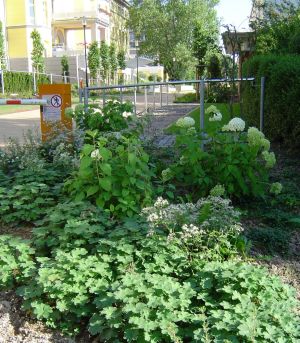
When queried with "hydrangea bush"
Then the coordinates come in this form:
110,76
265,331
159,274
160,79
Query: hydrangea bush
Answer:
114,116
237,159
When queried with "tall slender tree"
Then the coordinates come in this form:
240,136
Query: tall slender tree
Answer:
113,61
104,58
37,54
2,49
94,59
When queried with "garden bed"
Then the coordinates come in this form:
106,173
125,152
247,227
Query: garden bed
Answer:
124,243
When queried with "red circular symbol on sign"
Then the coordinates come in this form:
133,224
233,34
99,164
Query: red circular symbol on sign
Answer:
56,101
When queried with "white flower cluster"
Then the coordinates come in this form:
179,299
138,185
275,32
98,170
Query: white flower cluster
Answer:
127,114
235,125
216,117
276,188
212,109
96,154
257,138
270,158
166,174
98,110
185,122
172,218
191,231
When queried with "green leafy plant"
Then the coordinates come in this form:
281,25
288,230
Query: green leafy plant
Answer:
240,161
16,261
25,203
114,116
115,177
243,303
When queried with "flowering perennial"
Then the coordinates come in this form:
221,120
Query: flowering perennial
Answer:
270,158
221,216
96,154
257,138
216,117
126,114
185,122
235,125
276,188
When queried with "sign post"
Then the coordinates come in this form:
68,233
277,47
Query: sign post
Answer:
58,97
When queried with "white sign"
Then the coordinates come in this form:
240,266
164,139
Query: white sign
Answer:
52,111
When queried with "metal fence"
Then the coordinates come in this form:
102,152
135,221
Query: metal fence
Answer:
151,96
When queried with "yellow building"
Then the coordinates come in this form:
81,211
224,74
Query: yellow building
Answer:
22,17
105,21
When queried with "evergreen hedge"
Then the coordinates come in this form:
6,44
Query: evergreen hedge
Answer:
282,96
22,83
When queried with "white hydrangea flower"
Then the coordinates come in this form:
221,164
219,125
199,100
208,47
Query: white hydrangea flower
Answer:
216,117
107,121
270,158
116,101
185,122
96,154
127,114
161,202
235,125
97,110
276,188
212,109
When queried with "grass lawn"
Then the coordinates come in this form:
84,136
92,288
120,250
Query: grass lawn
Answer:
195,114
6,109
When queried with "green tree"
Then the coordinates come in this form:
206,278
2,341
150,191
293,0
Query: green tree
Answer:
94,59
37,54
121,60
167,24
105,62
277,32
2,49
113,61
65,66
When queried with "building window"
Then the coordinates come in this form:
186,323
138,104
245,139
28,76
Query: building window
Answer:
31,11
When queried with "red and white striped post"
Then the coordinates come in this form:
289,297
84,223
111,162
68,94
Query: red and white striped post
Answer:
23,101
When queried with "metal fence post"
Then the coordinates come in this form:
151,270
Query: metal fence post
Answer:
161,98
262,104
2,81
86,99
154,96
202,112
121,95
135,100
167,94
34,80
146,99
51,79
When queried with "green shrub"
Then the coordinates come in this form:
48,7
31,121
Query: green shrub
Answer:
22,83
237,160
113,174
16,261
282,104
25,203
114,116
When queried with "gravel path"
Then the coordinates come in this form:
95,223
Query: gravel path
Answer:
16,328
161,118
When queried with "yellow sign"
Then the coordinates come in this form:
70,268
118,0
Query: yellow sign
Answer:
53,117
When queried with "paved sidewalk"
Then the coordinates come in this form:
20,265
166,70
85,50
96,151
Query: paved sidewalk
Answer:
15,124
